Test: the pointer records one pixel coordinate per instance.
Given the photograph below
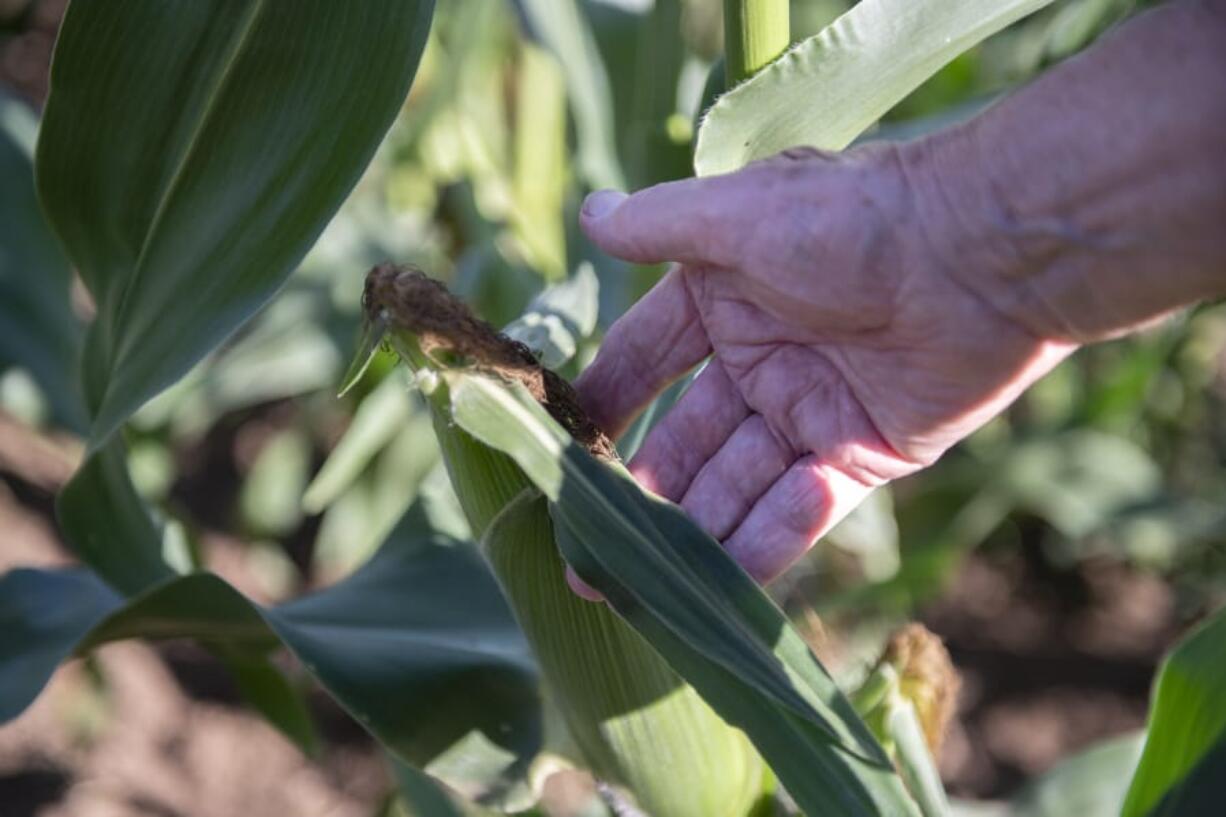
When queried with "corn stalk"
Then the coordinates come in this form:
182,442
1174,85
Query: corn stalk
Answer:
755,32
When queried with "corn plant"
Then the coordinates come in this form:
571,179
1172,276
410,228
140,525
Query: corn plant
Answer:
189,156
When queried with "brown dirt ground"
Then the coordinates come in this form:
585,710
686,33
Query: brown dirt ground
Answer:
1049,664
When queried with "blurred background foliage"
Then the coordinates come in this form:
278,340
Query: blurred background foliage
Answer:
1059,549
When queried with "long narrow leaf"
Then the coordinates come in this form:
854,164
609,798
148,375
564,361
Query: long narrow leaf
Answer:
191,151
190,154
704,614
563,29
108,523
1199,793
418,644
1187,721
827,90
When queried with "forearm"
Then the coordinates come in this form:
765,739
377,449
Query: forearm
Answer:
1094,199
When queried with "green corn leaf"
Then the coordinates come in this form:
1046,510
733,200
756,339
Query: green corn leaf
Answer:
266,689
1088,784
691,602
826,91
190,154
564,30
1201,791
38,331
108,523
418,644
1187,725
43,616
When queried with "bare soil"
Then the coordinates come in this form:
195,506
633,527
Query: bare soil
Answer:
1050,662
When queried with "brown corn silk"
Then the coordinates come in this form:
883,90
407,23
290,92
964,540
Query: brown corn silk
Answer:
635,722
415,303
926,677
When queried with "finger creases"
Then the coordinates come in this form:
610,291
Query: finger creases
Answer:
679,446
736,476
657,341
801,506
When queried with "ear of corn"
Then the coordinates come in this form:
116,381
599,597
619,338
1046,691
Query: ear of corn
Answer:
635,721
908,700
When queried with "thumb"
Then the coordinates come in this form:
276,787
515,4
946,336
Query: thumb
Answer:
693,221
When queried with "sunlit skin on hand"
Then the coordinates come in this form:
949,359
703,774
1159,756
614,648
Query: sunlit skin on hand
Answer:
842,355
862,313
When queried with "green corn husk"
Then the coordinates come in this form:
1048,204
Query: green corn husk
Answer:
908,701
635,721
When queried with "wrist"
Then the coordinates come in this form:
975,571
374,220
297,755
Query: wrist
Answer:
974,234
1042,250
1089,203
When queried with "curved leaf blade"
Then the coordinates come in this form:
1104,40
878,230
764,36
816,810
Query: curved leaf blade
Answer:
826,91
38,331
190,154
564,29
418,644
43,616
108,524
267,689
1187,721
694,604
1200,791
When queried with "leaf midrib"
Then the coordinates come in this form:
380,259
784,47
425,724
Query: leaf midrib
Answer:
252,14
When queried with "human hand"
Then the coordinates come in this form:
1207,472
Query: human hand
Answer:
843,353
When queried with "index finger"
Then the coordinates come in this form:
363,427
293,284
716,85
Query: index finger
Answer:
659,339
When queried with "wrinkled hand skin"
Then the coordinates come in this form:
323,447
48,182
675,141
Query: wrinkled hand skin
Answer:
863,312
843,354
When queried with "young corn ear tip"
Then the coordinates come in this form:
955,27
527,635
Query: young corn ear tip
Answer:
927,678
412,302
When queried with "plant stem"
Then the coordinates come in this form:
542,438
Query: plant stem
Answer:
755,32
